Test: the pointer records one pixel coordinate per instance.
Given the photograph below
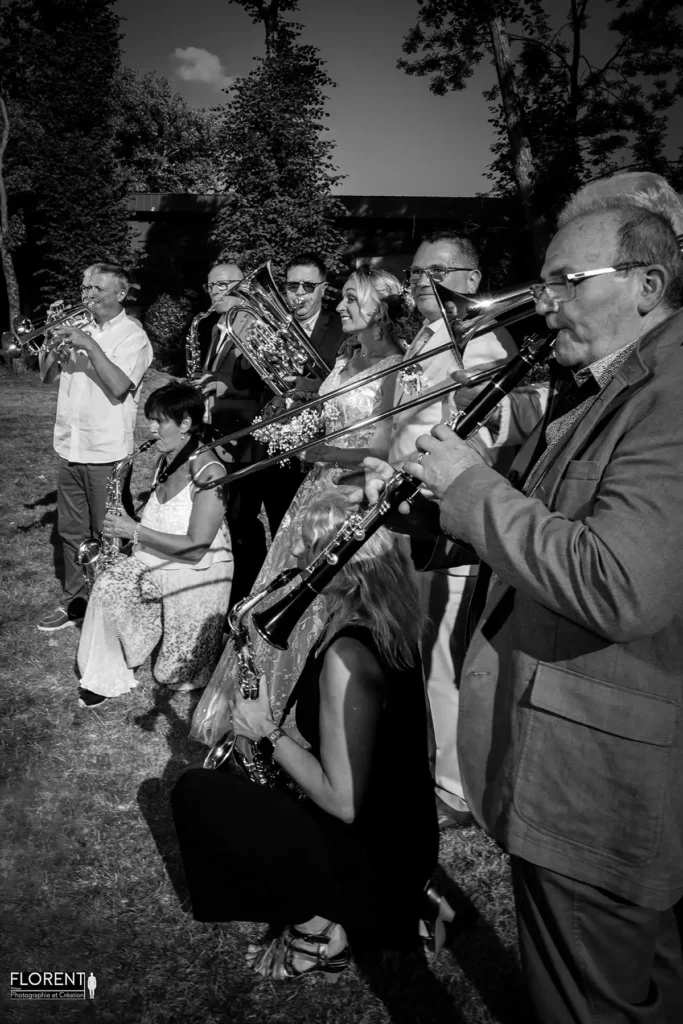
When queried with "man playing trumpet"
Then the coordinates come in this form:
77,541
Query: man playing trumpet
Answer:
100,368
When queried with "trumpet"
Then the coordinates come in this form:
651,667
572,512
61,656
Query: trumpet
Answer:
23,335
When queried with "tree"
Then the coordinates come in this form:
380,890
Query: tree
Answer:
278,172
162,144
58,75
269,14
11,282
581,118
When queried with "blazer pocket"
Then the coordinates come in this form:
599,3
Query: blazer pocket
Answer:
579,469
593,766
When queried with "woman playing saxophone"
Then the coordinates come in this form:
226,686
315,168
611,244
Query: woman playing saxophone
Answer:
172,594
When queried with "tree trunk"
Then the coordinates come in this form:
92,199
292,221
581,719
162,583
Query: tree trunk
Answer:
522,159
5,255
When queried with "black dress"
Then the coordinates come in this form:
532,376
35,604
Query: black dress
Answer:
254,854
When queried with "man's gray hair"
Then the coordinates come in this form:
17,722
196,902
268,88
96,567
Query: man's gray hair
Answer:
117,272
647,237
641,188
469,254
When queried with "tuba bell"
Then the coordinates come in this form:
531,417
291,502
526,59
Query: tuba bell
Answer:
274,342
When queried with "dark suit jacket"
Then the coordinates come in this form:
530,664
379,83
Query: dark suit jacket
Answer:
570,735
246,393
327,338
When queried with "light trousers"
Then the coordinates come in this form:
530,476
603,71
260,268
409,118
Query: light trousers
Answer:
445,599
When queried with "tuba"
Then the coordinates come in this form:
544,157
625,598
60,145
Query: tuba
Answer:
93,555
273,341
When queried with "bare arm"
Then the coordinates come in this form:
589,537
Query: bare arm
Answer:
112,378
205,519
350,705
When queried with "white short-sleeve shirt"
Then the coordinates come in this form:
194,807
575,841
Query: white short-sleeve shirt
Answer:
407,426
91,426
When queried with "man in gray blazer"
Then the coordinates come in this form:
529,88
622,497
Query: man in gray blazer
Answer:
571,703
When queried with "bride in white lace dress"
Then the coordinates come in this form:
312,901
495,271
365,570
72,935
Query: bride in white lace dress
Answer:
371,306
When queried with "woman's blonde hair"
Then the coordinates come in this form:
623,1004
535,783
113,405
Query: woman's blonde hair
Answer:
377,588
381,299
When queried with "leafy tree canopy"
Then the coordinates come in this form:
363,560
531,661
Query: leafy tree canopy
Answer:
585,114
277,170
163,145
58,74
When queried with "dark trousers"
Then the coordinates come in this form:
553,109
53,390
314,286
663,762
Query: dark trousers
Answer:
253,854
273,488
81,502
591,957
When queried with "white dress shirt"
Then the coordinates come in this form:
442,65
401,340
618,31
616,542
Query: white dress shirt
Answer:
91,426
407,426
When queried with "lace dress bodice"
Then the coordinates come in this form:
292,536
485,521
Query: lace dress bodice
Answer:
173,516
356,405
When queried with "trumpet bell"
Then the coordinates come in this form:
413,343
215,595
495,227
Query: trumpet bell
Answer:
10,346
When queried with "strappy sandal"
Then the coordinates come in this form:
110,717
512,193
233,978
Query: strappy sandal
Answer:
437,920
277,961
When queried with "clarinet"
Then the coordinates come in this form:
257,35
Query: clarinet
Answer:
277,622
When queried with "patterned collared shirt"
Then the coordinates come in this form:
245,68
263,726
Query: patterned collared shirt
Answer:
600,373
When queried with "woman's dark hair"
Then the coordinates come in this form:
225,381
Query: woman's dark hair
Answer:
174,401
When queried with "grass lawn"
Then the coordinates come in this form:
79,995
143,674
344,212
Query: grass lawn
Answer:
91,879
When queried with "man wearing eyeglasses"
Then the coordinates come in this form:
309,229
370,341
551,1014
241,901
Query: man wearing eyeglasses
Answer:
234,391
453,261
236,394
305,285
571,723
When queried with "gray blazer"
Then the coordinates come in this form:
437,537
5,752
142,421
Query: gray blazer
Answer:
571,702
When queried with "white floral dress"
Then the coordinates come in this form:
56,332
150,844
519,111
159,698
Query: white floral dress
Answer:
147,603
282,668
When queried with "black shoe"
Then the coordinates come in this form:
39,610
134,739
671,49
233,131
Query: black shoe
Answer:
57,619
450,817
88,699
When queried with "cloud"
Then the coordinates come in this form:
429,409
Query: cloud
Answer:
197,65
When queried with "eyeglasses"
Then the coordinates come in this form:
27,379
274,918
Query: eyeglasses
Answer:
308,286
222,286
562,289
438,272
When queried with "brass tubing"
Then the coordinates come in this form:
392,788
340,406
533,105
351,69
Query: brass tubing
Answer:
432,396
353,384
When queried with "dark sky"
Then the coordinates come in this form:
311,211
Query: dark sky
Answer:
394,137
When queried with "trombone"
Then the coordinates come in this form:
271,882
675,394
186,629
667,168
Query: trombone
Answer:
500,310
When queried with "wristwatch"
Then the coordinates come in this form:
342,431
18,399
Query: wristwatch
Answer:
273,737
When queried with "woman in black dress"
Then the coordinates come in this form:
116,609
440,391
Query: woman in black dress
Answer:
351,860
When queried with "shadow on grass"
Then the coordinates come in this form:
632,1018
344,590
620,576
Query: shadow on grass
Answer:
49,518
154,795
411,991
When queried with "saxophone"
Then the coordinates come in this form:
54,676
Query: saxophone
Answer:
256,764
193,356
95,555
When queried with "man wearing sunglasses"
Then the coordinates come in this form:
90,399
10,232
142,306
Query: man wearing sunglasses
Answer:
571,728
453,261
305,285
